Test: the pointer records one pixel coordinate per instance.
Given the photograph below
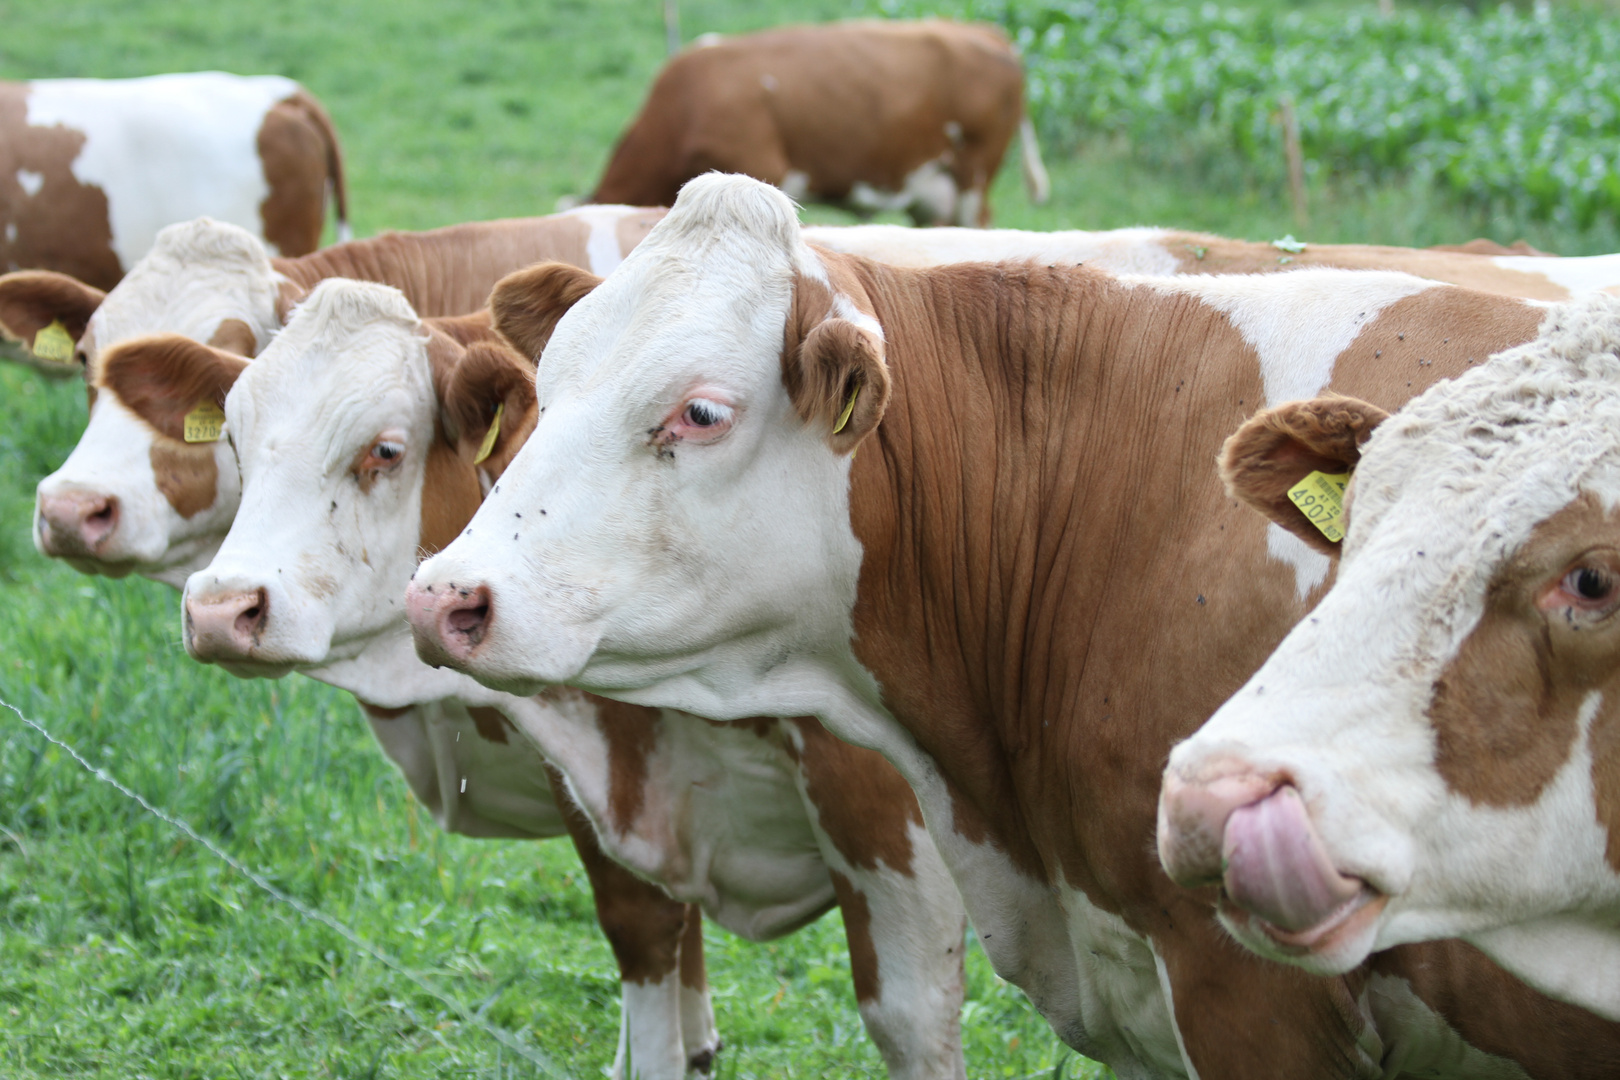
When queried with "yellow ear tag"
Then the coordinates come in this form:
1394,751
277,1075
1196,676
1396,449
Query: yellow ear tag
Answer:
488,445
1320,497
204,423
849,407
54,344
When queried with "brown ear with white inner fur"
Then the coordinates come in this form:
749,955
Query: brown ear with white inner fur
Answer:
163,377
30,300
528,304
1280,446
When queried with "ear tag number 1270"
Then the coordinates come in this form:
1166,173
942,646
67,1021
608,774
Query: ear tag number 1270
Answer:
1320,497
54,343
204,423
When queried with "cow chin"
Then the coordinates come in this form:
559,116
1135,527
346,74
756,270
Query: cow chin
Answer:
1337,945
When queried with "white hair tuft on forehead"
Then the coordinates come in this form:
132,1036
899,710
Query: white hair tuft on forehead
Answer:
206,239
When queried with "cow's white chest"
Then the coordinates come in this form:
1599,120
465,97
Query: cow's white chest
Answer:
166,148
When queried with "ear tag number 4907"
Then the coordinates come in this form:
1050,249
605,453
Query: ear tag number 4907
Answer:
1320,497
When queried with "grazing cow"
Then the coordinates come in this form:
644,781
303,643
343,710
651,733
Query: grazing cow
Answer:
361,442
1022,590
1435,752
1168,252
911,116
127,501
91,170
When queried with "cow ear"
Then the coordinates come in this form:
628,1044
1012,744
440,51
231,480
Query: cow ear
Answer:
837,377
163,377
527,304
31,300
489,406
1281,446
289,294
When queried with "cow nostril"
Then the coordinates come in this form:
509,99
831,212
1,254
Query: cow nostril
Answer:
467,619
250,620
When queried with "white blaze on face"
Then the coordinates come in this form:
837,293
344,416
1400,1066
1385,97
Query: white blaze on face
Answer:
1446,499
332,549
114,459
165,148
199,274
636,561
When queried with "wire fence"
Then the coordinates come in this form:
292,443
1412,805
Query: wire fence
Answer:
506,1039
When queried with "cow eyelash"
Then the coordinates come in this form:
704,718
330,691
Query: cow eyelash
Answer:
702,413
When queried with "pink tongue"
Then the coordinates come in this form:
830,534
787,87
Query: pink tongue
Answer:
1277,867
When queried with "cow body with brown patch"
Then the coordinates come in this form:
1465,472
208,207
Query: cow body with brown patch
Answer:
1022,590
1434,752
1167,252
870,115
765,826
92,169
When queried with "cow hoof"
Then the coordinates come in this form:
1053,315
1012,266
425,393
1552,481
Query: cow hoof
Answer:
703,1060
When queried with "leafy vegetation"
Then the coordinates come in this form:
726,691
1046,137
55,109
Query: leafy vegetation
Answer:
1510,107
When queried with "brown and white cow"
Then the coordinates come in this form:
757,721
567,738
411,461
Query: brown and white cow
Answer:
1168,252
911,116
1022,590
91,170
127,500
1435,751
358,437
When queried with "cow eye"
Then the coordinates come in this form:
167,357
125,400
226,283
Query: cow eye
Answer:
1589,584
702,413
388,451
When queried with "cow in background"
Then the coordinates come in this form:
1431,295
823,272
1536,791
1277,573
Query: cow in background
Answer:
91,170
910,116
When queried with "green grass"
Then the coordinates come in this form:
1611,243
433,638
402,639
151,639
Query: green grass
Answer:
125,950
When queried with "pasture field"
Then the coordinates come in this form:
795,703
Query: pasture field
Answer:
125,950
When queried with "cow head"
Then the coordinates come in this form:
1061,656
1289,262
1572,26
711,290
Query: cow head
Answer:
356,435
129,497
679,515
1435,750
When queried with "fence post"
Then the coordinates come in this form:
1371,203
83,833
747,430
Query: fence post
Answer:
672,26
1296,163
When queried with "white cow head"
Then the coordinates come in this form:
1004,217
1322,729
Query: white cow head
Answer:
132,496
349,473
1435,750
680,514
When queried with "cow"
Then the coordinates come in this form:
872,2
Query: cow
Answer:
91,170
1433,753
361,440
1523,273
126,501
964,516
909,116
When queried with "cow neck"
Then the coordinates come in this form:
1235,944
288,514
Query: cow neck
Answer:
1055,588
446,271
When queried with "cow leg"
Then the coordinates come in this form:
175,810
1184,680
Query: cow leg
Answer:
698,1032
902,914
644,927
